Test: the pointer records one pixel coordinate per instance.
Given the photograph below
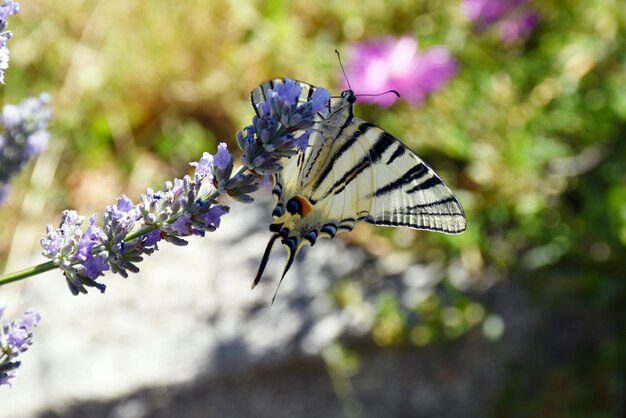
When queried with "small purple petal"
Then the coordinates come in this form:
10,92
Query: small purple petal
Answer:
264,183
212,217
182,226
94,265
30,319
222,158
319,99
302,141
125,212
151,239
179,187
16,337
204,166
289,91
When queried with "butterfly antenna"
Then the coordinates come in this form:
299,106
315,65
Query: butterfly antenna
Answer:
380,94
342,70
266,257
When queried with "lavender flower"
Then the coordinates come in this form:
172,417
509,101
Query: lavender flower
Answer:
4,51
513,19
222,167
181,209
281,126
71,250
5,189
15,338
25,135
383,64
186,206
7,8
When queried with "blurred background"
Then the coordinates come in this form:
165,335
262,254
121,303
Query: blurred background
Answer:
522,315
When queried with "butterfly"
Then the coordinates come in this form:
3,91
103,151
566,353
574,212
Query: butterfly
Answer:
352,171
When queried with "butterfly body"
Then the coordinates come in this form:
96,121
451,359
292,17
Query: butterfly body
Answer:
352,171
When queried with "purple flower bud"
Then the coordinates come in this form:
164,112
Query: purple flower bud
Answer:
94,265
212,217
288,92
319,100
16,337
182,226
30,319
204,166
222,158
124,212
302,141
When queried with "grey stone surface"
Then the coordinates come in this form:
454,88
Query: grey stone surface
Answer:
188,338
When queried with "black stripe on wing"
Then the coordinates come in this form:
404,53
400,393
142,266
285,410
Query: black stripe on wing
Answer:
413,174
397,153
375,153
360,130
448,199
450,223
420,225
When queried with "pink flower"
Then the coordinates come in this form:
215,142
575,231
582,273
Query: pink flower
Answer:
512,19
488,12
379,65
517,27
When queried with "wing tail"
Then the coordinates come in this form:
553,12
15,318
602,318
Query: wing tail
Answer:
266,257
293,246
292,250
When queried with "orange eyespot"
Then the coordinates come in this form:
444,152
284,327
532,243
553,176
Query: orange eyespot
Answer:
304,204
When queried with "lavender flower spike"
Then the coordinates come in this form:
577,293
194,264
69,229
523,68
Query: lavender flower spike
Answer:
15,338
25,135
7,8
280,127
72,251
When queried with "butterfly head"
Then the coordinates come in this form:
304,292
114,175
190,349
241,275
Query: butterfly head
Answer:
348,95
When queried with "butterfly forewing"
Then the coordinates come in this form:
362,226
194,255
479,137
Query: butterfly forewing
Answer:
353,171
262,93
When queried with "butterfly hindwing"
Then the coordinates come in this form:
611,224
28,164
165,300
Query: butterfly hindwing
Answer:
407,192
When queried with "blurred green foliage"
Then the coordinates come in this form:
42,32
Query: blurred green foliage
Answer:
531,136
